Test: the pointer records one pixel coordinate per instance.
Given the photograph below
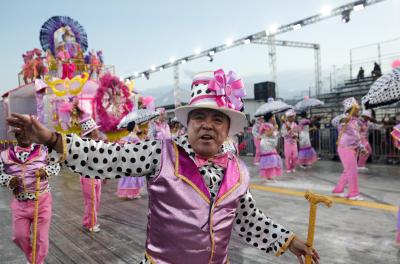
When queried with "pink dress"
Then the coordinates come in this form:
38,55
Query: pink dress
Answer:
270,161
307,155
290,138
129,187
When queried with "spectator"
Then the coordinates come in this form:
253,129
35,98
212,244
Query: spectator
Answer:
376,72
360,75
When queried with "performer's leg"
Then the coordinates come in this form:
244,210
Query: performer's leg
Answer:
86,187
362,159
352,173
97,201
287,152
22,217
257,154
343,180
44,220
295,154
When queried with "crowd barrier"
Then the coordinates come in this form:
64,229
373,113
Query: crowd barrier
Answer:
324,143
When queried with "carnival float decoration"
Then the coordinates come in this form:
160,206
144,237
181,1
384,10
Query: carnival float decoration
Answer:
65,81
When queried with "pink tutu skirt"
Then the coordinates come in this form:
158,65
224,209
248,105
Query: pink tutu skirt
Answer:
307,156
129,187
270,165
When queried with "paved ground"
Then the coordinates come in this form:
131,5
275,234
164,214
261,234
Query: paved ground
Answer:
349,232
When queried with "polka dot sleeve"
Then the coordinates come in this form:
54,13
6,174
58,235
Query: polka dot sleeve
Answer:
100,160
4,177
53,166
52,169
259,230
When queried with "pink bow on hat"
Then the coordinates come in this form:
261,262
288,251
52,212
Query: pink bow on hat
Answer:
228,88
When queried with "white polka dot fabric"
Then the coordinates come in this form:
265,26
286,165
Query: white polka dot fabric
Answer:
384,91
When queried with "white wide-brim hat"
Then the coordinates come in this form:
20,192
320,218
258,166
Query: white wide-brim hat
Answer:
224,96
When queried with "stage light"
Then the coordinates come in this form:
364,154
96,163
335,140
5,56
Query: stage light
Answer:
297,26
172,59
346,16
326,10
211,53
161,68
153,68
142,75
210,58
197,51
271,30
229,42
247,41
136,74
183,61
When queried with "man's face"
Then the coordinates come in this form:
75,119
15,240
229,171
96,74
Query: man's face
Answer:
207,130
22,140
291,118
162,117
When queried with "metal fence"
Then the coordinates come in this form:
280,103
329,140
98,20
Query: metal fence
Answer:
324,143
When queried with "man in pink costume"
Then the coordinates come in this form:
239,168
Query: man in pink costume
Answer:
257,138
290,133
159,129
89,129
197,193
349,146
18,166
366,124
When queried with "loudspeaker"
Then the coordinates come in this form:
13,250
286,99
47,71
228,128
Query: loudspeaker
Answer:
264,90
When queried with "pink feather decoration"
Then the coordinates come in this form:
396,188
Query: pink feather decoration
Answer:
107,121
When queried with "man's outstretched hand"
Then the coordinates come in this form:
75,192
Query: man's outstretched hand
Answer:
299,248
31,127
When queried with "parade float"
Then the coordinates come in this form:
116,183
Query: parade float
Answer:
63,80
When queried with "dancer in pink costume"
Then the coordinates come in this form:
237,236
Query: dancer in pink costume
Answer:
290,133
307,155
270,161
365,125
396,142
257,138
129,187
18,166
349,145
159,129
89,129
